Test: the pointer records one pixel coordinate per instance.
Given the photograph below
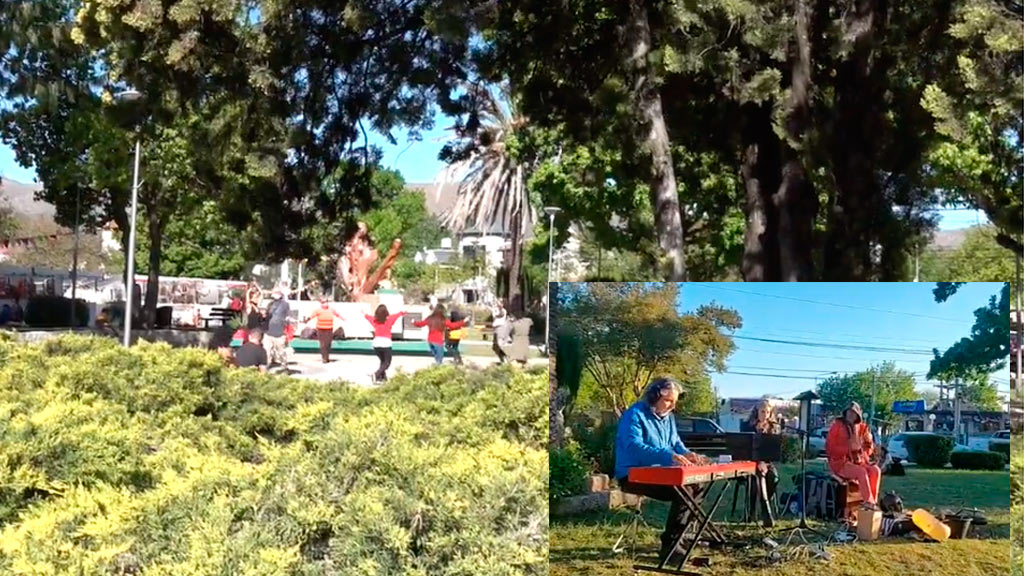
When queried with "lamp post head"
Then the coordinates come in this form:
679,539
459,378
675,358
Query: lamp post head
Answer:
552,210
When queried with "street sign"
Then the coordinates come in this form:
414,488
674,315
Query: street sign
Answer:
908,407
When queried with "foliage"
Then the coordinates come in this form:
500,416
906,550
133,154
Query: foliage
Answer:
568,471
198,243
55,311
978,115
8,221
929,450
988,347
632,332
791,449
596,439
569,364
978,259
161,460
885,383
977,460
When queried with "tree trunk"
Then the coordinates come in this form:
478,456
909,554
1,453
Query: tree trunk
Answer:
859,92
516,305
795,200
556,400
661,174
760,171
156,225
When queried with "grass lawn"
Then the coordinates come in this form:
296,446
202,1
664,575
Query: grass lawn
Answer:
583,544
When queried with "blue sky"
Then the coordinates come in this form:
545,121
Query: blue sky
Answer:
901,316
417,161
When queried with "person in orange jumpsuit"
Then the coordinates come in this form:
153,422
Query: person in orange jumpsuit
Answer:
849,447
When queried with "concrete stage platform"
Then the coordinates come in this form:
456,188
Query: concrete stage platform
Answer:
398,347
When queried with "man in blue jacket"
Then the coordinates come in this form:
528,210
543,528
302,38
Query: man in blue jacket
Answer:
647,436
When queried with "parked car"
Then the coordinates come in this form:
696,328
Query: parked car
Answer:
897,445
816,442
688,425
1001,437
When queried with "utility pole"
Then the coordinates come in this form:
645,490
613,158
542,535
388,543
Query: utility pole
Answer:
956,410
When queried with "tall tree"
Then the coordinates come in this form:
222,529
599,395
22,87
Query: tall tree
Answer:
632,332
492,191
979,115
879,385
986,350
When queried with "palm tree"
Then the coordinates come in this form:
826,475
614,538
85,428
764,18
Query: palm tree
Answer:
492,187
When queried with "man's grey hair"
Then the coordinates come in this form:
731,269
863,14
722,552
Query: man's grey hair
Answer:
659,387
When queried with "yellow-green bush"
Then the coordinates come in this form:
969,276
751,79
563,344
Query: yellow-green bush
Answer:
156,460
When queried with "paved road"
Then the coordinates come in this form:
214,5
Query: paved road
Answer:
359,368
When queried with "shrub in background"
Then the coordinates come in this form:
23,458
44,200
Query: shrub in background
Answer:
54,312
929,450
977,460
568,470
1002,448
791,449
597,440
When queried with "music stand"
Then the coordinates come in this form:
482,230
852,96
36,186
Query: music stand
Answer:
805,399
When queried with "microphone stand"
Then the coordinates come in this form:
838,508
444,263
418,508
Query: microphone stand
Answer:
799,529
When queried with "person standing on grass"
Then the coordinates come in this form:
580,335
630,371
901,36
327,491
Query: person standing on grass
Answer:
454,338
252,354
849,447
275,340
325,316
436,325
382,323
499,323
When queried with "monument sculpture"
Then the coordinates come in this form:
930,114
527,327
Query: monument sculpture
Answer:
357,257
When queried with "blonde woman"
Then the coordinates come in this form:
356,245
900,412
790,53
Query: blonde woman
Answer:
762,420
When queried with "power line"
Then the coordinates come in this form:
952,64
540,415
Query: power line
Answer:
839,346
851,337
819,302
797,355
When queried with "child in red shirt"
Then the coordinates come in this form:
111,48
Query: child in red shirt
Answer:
436,325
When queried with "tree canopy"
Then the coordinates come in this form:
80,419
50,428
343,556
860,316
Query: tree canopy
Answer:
879,386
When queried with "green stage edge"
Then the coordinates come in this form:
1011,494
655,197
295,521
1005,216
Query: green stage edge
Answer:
399,347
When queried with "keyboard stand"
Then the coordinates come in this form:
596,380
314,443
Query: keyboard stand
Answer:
697,514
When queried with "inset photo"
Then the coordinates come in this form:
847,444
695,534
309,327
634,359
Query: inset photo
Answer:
775,429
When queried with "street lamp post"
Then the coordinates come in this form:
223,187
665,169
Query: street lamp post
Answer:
551,211
131,96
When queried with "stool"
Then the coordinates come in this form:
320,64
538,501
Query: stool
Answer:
847,496
634,527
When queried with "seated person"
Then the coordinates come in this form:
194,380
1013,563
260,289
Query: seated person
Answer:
221,342
762,421
252,354
647,436
849,447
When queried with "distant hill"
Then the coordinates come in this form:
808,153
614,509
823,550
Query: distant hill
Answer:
21,198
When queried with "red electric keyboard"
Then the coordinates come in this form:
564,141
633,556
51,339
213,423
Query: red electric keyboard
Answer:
679,477
689,475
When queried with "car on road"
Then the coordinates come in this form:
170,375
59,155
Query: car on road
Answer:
689,425
1001,437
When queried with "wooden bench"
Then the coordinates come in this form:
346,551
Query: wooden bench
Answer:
223,315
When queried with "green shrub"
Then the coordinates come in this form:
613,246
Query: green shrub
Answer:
568,470
791,449
929,450
54,312
977,460
597,441
162,461
1002,448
